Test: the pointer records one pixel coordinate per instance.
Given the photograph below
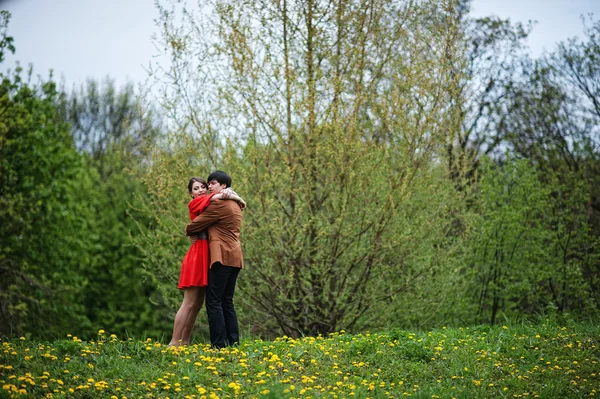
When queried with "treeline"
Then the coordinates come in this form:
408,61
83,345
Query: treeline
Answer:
403,164
67,264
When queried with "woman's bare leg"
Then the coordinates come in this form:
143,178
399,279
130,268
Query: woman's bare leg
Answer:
189,310
188,326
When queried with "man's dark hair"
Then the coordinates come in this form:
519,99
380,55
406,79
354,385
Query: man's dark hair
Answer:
221,177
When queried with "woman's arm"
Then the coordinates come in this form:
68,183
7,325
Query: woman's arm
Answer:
231,195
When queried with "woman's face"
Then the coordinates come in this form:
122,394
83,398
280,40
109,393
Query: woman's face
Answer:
198,189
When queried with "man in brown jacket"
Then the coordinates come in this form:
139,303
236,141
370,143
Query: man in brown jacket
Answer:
223,220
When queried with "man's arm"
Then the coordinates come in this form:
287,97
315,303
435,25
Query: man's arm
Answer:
211,215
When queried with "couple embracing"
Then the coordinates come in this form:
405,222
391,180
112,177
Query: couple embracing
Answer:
213,262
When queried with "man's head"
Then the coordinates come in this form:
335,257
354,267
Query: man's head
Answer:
218,181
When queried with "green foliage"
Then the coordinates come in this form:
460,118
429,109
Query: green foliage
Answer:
108,125
367,203
326,151
542,236
105,118
359,135
66,261
421,284
545,359
532,247
43,186
118,295
6,42
66,227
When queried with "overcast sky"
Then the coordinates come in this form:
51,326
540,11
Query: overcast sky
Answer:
91,38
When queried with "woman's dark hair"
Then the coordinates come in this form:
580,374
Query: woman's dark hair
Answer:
221,177
196,179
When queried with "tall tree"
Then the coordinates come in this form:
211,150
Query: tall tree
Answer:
493,48
330,114
546,115
44,189
531,249
103,116
575,63
111,129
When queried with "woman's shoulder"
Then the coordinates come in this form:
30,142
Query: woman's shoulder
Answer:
198,200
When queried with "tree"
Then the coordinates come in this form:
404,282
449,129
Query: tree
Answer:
65,262
43,210
553,123
328,115
575,65
494,48
532,247
104,117
543,111
112,133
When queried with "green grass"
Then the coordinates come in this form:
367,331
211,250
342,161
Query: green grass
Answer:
543,360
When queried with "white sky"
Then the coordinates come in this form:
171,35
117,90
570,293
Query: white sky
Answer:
557,20
83,38
90,38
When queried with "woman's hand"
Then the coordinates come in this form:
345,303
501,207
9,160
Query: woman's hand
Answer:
226,193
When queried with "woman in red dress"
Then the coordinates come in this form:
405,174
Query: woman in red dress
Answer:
193,278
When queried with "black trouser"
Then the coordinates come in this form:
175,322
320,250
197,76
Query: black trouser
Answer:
222,319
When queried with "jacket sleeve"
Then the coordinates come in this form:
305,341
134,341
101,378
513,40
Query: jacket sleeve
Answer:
211,215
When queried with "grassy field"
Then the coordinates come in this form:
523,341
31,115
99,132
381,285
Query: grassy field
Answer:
543,360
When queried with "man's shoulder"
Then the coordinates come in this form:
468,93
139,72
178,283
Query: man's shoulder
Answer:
233,206
226,206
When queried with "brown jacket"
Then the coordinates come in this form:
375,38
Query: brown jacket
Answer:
223,219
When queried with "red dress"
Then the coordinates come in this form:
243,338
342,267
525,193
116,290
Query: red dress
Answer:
194,268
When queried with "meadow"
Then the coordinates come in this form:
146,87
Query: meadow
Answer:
543,360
